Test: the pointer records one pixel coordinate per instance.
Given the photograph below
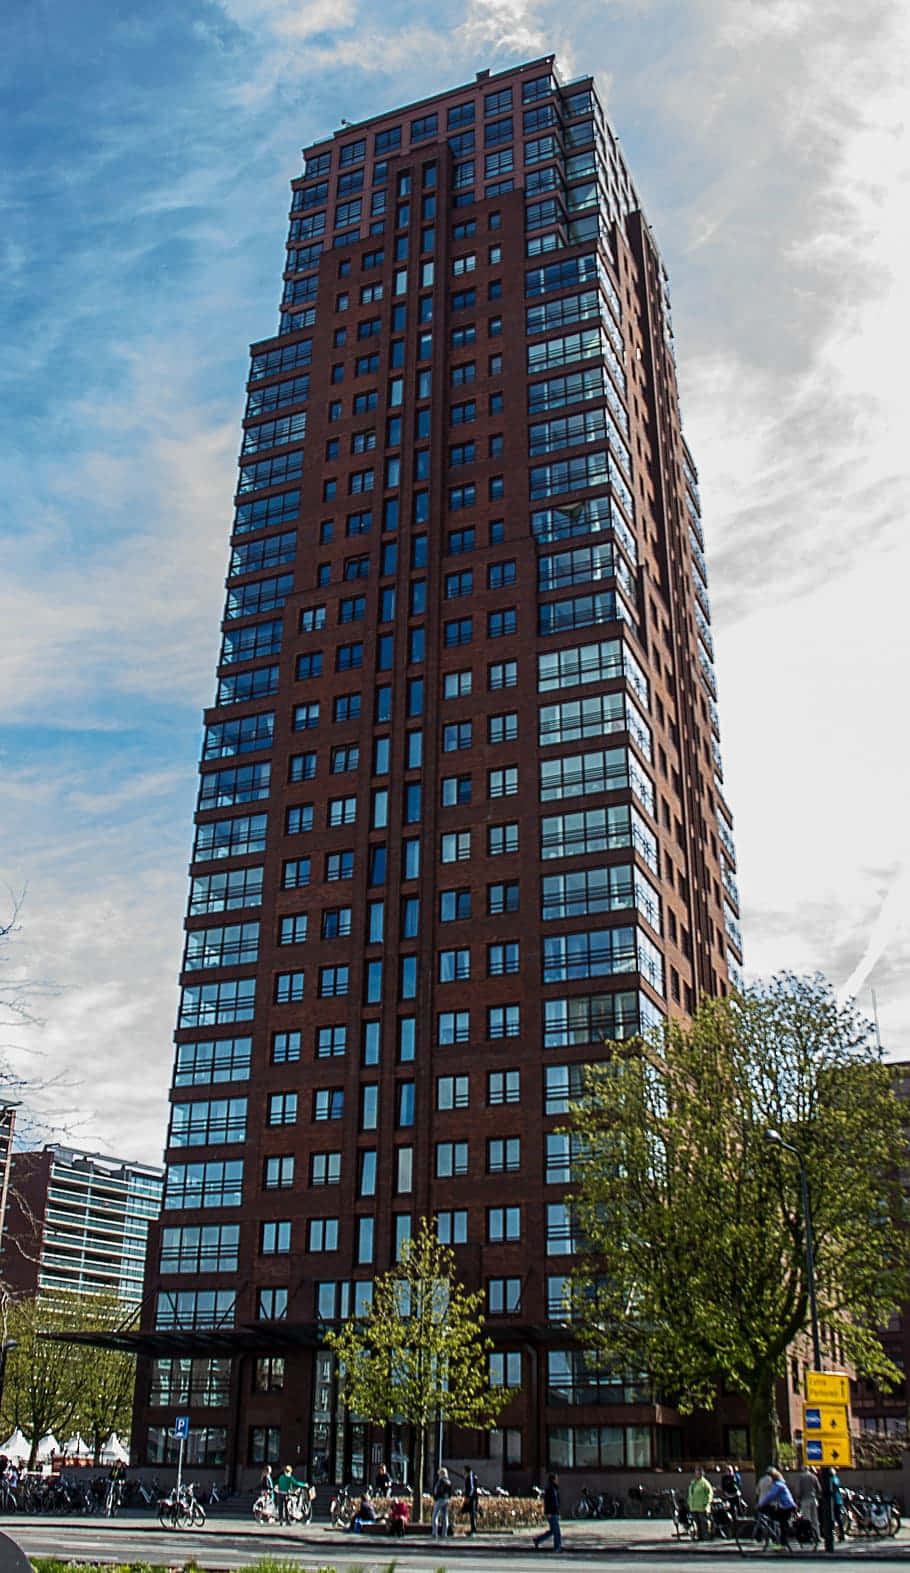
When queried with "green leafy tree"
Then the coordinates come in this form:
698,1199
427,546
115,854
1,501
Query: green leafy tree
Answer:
107,1377
420,1351
63,1387
41,1392
693,1254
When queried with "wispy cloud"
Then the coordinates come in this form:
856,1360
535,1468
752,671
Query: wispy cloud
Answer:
511,26
149,157
884,931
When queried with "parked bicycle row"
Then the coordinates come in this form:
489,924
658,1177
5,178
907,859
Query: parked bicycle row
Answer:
779,1515
104,1494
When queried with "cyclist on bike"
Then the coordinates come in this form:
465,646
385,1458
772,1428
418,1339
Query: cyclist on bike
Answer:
778,1504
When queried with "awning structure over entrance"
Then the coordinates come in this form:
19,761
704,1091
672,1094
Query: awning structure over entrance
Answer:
251,1338
255,1338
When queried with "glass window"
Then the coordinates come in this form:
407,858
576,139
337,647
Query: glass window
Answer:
452,1092
503,1223
452,1227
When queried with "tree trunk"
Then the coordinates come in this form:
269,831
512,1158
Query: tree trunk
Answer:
418,1474
763,1423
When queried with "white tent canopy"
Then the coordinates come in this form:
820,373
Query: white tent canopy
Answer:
113,1451
77,1447
17,1445
47,1446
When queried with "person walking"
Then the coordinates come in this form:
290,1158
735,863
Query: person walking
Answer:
284,1485
471,1497
551,1513
442,1493
699,1499
837,1502
778,1503
764,1484
808,1495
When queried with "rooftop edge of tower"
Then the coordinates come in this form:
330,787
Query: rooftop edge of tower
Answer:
482,79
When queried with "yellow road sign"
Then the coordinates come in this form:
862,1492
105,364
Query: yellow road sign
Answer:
829,1421
836,1453
827,1387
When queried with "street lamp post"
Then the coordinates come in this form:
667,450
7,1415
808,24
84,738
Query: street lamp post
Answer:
827,1515
440,1411
778,1140
6,1349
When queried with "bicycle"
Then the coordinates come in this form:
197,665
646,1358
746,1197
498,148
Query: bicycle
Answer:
300,1504
651,1504
869,1513
342,1508
180,1509
265,1508
595,1505
685,1525
802,1536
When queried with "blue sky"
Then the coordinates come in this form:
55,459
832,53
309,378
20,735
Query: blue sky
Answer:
144,193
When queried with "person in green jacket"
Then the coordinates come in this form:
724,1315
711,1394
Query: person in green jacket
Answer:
701,1495
283,1486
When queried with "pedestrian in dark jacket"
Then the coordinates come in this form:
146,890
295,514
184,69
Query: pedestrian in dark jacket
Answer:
551,1513
471,1494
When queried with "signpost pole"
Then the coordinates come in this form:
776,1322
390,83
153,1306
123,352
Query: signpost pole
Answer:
181,1432
827,1515
826,1430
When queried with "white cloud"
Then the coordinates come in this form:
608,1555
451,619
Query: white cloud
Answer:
134,607
506,25
767,143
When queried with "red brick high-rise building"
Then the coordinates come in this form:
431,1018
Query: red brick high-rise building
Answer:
461,815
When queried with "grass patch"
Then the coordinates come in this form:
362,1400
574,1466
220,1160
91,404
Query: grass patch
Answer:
264,1565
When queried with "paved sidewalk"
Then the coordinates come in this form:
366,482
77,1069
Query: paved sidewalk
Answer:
605,1537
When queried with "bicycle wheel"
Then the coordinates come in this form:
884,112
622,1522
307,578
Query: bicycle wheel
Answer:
166,1514
802,1534
197,1516
183,1516
763,1534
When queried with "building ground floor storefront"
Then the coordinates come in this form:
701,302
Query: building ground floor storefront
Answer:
258,1395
